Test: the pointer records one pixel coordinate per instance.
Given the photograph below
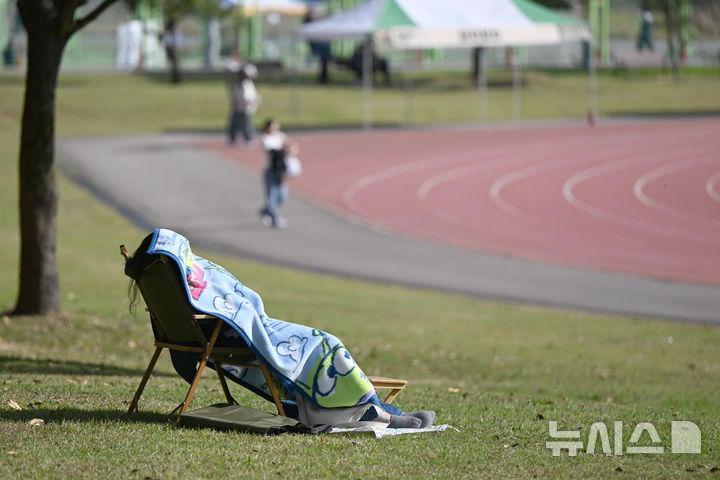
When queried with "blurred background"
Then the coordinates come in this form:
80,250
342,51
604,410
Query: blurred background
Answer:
146,35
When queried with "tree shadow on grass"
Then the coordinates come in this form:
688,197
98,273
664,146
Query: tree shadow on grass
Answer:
48,366
77,415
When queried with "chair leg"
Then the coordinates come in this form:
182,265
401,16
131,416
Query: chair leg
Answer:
143,382
391,396
223,382
193,386
201,367
273,391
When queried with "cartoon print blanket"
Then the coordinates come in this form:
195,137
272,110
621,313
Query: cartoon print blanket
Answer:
305,360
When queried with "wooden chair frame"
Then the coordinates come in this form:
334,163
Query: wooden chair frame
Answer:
395,386
206,353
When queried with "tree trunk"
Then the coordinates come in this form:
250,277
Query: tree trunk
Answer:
170,43
39,291
672,29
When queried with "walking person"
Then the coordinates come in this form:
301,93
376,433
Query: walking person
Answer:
244,100
645,35
278,148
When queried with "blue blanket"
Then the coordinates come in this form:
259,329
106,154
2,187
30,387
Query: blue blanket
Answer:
304,360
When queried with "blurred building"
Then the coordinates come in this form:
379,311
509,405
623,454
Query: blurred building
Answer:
263,30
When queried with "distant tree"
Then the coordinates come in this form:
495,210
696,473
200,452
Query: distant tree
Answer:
709,11
49,26
676,25
173,12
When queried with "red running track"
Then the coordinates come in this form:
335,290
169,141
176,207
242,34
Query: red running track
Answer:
638,198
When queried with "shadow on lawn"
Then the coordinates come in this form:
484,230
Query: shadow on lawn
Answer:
60,415
48,366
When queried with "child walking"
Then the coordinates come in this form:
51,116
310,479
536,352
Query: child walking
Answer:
278,147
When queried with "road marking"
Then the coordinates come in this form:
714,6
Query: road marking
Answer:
676,167
710,187
591,210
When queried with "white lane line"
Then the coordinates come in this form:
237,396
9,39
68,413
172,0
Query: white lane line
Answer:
491,159
410,167
459,172
710,187
506,180
666,170
373,178
497,187
591,210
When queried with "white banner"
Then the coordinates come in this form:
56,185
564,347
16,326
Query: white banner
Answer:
540,34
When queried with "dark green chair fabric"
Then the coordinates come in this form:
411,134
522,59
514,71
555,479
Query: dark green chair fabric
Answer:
189,334
174,318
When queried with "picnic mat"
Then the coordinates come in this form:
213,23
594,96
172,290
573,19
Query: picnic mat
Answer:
379,432
223,416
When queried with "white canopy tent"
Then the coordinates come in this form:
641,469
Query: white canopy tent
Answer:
418,24
449,23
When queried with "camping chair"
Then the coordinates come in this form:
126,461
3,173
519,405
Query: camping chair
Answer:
178,326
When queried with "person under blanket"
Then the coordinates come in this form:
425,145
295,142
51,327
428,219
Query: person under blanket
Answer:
311,366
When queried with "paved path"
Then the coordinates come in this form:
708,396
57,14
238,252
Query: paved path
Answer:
172,182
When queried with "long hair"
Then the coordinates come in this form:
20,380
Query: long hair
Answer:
134,268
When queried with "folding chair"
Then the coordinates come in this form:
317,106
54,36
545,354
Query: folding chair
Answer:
178,326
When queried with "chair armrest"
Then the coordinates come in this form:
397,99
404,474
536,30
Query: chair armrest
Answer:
383,382
395,385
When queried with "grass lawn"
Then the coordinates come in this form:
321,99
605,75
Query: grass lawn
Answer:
499,373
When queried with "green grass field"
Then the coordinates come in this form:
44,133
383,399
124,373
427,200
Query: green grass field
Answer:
497,372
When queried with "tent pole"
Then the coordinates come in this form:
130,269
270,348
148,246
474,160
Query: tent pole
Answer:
592,114
367,80
592,74
481,85
517,84
410,89
295,89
